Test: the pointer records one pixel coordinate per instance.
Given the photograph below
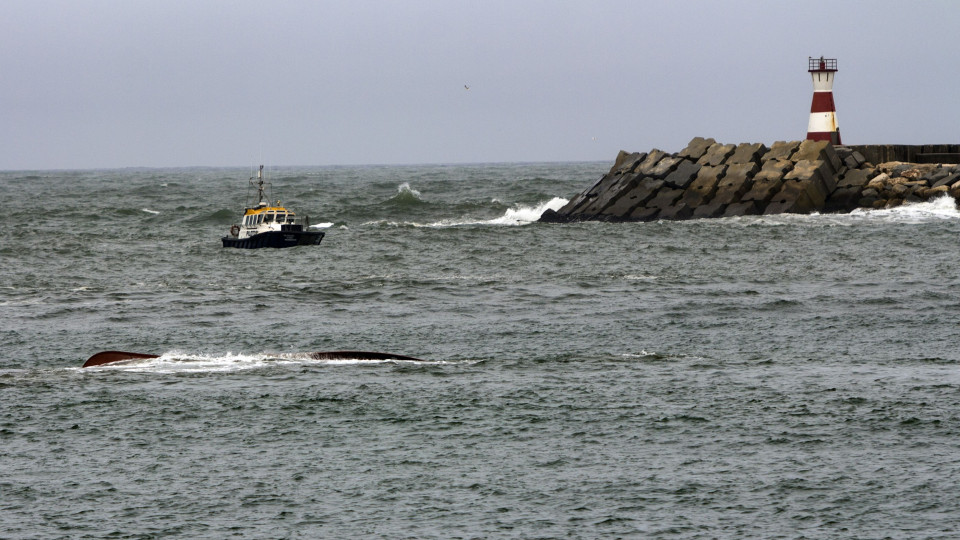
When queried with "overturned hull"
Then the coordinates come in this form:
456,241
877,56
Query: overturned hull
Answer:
110,357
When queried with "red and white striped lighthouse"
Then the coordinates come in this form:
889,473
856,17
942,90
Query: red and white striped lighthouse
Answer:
823,113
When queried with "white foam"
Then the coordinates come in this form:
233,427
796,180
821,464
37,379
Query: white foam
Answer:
149,211
519,215
179,362
522,215
322,225
405,188
939,209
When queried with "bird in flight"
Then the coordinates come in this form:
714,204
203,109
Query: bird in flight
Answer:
467,87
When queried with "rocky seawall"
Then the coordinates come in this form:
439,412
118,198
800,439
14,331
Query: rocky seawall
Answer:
708,179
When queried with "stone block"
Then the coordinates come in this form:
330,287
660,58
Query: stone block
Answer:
677,211
791,199
638,194
809,175
610,194
665,166
736,182
934,176
747,153
717,154
647,165
818,151
844,199
665,197
782,150
856,178
763,189
934,192
850,158
774,168
949,180
683,175
867,201
746,208
627,162
644,214
696,148
704,187
710,210
579,203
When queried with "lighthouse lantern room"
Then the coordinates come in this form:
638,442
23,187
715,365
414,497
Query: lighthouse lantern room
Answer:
823,113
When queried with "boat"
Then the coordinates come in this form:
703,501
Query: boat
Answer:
270,226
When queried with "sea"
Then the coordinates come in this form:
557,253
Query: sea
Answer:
790,376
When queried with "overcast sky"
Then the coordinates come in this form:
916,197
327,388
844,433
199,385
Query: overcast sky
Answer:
118,83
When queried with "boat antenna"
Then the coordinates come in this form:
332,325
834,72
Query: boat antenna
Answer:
259,185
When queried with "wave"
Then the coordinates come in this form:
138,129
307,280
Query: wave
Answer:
518,215
406,196
942,208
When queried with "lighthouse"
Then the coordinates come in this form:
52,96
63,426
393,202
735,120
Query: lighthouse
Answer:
823,113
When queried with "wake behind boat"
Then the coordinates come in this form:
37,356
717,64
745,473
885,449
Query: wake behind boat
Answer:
270,226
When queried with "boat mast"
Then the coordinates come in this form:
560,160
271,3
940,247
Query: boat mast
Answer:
260,185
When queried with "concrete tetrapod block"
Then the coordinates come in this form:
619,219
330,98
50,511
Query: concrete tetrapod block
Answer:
763,190
609,195
782,150
803,168
717,154
737,181
665,166
683,175
709,210
579,203
644,214
856,178
678,211
747,153
704,187
647,165
818,151
639,193
843,199
696,148
808,175
665,197
768,181
746,208
627,162
792,199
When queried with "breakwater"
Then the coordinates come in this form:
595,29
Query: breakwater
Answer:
708,179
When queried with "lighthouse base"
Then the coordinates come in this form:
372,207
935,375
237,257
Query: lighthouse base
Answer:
833,137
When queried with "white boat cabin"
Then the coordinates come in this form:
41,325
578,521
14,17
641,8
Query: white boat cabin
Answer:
265,218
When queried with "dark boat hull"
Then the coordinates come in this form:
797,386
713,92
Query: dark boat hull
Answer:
275,239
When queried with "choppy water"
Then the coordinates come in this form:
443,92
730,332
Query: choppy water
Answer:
767,377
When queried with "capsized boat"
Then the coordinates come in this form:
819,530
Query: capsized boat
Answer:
109,357
266,226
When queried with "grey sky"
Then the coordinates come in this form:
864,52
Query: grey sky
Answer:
117,83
